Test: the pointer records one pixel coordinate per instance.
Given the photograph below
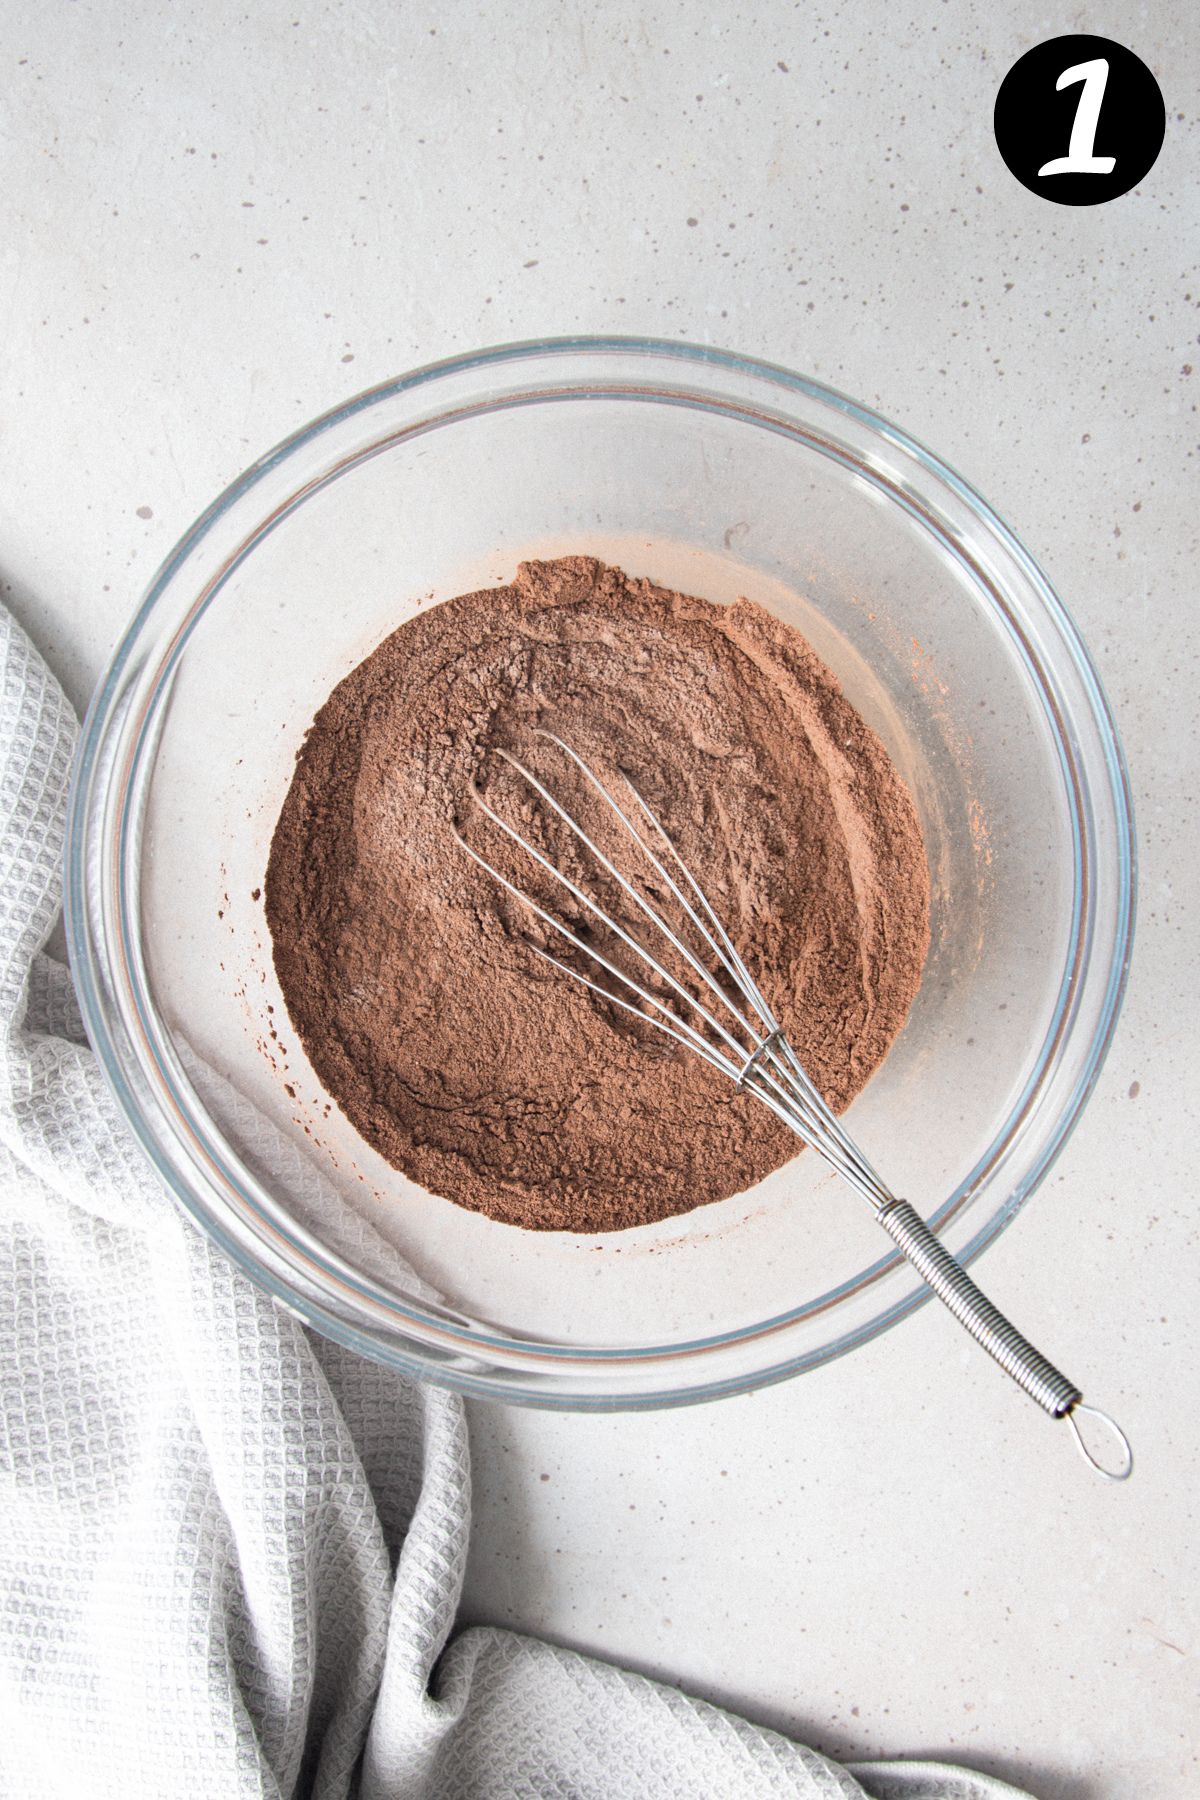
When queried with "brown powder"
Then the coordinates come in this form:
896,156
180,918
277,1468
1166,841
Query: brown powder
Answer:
464,1058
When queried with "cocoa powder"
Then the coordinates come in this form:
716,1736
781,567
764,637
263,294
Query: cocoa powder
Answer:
411,976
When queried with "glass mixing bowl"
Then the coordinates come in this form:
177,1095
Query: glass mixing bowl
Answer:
711,473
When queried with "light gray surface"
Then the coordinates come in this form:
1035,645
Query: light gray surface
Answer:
212,226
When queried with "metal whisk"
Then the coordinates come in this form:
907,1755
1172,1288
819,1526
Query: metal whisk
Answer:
727,1021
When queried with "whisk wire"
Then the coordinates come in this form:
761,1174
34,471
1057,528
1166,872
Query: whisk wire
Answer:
769,1068
758,1038
723,950
676,1028
820,1123
669,1022
597,911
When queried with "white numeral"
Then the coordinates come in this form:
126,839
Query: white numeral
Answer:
1081,158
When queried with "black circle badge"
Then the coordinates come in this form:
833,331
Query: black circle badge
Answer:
1079,120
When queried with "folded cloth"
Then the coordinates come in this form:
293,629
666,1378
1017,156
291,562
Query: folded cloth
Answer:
231,1552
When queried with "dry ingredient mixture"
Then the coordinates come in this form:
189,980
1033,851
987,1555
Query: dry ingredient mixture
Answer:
460,1055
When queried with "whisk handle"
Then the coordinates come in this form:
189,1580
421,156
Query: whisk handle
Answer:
988,1326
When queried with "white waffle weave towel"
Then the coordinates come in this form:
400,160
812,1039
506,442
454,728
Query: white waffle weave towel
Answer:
231,1552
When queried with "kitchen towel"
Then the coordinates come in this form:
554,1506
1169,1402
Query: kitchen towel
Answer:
231,1551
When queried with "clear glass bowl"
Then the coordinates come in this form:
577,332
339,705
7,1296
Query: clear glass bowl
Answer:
718,475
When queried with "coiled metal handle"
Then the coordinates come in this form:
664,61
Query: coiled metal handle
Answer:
987,1325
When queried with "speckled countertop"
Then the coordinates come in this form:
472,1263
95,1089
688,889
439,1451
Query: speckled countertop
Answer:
216,222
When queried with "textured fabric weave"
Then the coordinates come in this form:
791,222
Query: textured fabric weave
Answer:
230,1551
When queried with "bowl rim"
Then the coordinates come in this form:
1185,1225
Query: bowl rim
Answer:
418,1356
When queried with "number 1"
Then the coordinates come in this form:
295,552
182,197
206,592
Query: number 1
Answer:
1081,158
